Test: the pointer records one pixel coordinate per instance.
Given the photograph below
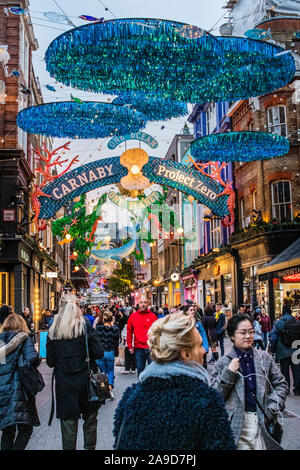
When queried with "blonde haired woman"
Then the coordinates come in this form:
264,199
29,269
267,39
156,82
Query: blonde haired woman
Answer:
173,406
66,352
17,411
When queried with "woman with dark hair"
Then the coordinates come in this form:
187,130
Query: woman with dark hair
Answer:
109,336
17,411
252,386
210,326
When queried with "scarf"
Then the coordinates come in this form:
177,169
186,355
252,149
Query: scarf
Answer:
175,368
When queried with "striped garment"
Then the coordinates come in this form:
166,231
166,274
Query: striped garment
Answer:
109,337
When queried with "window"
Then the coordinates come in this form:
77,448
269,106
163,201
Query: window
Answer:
254,194
215,233
282,200
277,120
243,218
211,118
4,291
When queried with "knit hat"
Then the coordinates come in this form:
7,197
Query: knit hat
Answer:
5,311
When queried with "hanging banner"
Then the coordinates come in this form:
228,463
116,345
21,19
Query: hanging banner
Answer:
134,206
142,136
110,171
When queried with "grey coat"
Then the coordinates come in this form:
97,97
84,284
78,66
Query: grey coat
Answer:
231,386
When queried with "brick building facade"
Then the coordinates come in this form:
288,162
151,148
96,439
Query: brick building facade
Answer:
270,187
26,256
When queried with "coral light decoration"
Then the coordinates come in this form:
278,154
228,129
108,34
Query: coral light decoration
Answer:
44,155
215,174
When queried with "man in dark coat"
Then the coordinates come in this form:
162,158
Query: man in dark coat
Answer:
5,311
68,357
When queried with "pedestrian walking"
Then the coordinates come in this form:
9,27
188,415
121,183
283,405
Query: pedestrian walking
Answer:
18,412
210,326
89,316
252,386
66,353
173,408
129,359
109,336
138,325
191,310
266,326
5,311
258,336
47,320
284,346
221,326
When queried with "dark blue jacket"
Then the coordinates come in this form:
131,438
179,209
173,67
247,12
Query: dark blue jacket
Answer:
180,413
276,344
15,408
221,325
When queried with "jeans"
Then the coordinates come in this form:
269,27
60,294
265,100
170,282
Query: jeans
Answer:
221,343
129,360
142,356
10,442
285,365
265,337
107,365
69,429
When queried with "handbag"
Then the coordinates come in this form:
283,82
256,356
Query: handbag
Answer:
98,385
31,379
273,427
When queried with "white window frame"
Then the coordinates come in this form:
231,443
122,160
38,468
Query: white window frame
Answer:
276,126
211,118
215,233
285,203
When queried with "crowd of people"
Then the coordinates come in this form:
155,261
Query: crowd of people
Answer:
176,404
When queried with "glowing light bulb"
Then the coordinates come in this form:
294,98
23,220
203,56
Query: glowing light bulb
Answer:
135,170
68,236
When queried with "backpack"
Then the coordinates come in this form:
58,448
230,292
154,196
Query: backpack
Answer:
290,332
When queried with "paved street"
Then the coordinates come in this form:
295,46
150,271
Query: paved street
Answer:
49,438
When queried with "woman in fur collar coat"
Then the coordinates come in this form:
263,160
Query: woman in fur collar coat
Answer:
17,412
173,407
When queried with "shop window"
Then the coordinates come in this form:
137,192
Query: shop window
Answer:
277,120
215,233
4,291
282,200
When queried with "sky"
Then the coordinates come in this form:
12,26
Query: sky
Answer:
201,13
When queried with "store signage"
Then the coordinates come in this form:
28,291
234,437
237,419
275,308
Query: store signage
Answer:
110,171
140,277
142,136
51,275
9,215
175,277
292,278
24,256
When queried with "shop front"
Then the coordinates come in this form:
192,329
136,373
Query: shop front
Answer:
282,276
190,288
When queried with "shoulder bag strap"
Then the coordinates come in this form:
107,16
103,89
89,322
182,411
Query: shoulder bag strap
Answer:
87,350
52,401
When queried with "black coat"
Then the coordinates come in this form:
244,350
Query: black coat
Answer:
210,326
68,357
15,408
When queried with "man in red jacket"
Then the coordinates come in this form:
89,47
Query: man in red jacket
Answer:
138,325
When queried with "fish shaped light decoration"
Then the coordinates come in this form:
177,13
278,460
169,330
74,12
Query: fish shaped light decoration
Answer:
117,254
190,32
257,33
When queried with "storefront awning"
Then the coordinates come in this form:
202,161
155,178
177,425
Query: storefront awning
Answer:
286,263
